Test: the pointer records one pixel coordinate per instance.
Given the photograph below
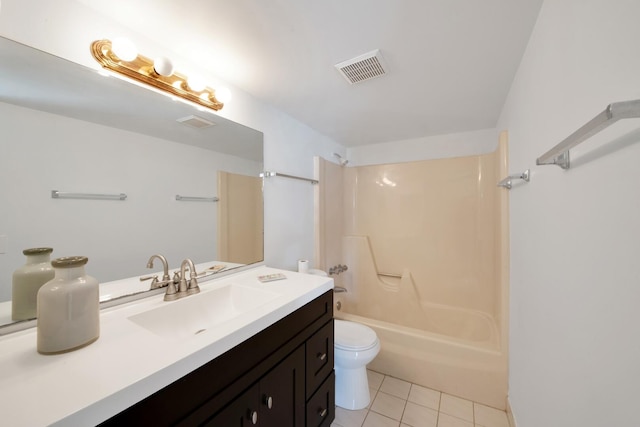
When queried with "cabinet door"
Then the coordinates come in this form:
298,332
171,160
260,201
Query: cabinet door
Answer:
244,411
282,393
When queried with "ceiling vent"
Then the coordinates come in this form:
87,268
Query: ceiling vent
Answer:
195,122
364,67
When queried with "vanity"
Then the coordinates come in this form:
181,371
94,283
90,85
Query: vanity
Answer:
239,353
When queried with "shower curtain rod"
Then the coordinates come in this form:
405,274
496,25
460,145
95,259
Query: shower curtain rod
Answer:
269,174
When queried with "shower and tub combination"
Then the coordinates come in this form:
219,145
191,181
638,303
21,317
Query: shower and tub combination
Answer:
426,245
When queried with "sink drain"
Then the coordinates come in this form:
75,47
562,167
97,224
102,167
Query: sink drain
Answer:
201,330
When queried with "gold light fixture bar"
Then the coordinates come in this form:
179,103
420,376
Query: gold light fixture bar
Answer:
141,69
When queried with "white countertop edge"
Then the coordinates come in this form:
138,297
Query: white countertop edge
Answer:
160,373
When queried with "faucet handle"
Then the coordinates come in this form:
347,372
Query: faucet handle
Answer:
155,283
193,286
172,292
176,276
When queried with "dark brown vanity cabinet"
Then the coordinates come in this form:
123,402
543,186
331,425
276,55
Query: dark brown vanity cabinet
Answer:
280,377
276,400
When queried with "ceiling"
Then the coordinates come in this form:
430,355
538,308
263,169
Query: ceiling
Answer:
450,62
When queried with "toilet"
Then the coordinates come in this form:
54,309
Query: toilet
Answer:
355,345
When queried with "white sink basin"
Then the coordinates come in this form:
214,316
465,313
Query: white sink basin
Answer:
197,313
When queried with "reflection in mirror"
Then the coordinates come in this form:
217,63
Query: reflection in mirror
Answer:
66,127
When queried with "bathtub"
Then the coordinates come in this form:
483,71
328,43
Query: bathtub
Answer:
467,362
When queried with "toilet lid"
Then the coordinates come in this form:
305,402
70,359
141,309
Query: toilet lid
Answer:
351,335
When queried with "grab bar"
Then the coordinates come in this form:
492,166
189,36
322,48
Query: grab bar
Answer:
559,155
399,276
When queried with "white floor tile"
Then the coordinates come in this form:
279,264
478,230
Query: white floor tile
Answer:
375,379
388,405
377,420
445,420
395,387
333,424
347,418
419,416
489,417
397,403
425,396
456,406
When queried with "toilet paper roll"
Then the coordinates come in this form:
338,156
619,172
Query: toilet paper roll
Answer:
303,266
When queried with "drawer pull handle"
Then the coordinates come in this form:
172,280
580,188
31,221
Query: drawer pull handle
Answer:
322,412
253,417
322,356
268,400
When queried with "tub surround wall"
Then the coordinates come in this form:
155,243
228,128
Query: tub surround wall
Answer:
575,234
435,218
442,226
329,217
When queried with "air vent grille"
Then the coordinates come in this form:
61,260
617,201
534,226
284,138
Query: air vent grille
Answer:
364,67
195,122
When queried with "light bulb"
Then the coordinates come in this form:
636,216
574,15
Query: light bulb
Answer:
124,49
196,83
163,66
223,94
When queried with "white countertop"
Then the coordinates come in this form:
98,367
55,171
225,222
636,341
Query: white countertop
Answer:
128,363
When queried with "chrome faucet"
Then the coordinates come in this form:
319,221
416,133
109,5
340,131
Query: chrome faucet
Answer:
166,279
184,288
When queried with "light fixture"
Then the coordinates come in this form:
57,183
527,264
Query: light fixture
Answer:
163,66
121,58
124,49
223,94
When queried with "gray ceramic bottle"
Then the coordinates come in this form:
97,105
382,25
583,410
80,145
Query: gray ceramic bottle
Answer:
68,308
27,280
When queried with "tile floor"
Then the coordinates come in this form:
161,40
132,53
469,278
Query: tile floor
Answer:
397,403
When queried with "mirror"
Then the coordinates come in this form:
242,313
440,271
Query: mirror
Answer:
69,128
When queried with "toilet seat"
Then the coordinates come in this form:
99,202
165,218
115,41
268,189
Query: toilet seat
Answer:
353,336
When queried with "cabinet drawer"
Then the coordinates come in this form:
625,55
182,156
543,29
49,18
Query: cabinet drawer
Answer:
321,407
319,357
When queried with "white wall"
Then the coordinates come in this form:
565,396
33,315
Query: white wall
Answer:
575,235
425,148
66,28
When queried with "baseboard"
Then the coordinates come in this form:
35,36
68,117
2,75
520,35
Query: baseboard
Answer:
510,416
